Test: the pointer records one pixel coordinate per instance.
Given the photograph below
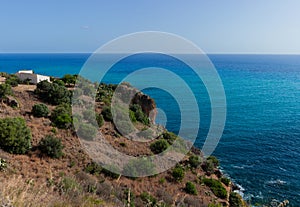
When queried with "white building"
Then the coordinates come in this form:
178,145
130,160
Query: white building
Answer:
33,78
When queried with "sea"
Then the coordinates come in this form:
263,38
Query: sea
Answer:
260,146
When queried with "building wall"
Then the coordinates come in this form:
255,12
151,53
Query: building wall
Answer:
34,78
40,78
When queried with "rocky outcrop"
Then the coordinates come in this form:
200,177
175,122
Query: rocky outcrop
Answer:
148,105
146,102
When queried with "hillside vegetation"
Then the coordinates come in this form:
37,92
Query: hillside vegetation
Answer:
42,162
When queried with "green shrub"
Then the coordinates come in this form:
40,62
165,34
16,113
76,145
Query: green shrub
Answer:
5,90
69,79
178,173
208,166
87,131
235,200
214,160
169,136
51,146
61,116
68,185
139,115
148,199
159,146
100,120
59,82
53,93
194,161
93,168
190,188
15,136
225,180
106,113
216,187
40,110
12,80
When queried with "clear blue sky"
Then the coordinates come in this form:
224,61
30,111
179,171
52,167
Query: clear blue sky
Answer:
216,26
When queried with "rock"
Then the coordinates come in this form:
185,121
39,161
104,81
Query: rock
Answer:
11,101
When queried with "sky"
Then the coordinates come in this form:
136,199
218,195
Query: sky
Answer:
216,26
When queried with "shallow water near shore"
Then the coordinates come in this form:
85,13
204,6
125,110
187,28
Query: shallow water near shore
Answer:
260,146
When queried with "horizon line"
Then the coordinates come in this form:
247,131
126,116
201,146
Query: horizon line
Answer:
210,53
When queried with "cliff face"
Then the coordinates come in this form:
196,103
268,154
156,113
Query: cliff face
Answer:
147,104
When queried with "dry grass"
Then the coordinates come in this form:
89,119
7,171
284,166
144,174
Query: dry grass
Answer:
18,192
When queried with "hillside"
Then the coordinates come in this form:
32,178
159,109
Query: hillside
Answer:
35,178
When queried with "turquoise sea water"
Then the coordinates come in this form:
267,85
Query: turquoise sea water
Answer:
260,146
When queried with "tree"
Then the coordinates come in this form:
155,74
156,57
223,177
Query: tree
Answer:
5,89
12,80
40,110
53,93
69,79
51,146
159,146
61,116
15,136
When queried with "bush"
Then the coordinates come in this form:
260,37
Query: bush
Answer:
178,173
148,199
93,168
69,79
12,80
190,188
194,161
235,200
61,116
159,146
106,112
214,160
100,120
40,110
5,90
15,136
169,136
51,146
225,180
139,115
216,187
53,93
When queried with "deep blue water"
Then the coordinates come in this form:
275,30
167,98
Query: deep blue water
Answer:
260,146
